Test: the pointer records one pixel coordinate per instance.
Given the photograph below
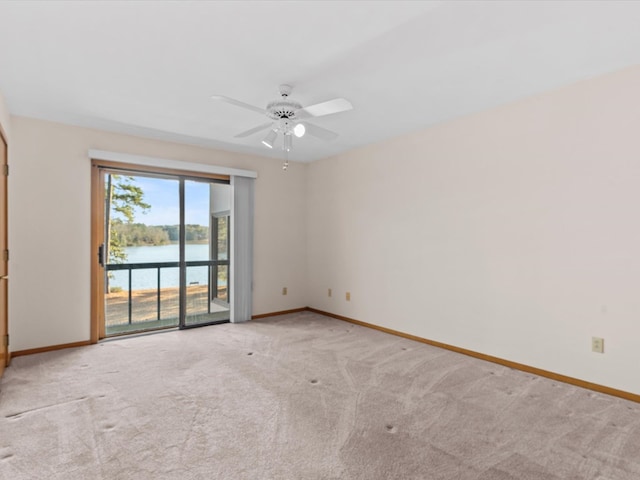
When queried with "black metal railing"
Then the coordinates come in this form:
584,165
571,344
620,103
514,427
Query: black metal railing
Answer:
159,266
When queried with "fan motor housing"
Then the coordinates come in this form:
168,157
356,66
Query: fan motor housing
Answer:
282,109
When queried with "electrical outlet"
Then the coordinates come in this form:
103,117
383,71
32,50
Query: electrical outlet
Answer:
597,344
284,290
329,292
348,296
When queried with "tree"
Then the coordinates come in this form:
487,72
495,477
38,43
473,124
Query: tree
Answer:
123,196
137,234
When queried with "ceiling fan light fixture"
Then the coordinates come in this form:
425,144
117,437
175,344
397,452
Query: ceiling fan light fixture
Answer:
288,117
299,130
270,139
287,142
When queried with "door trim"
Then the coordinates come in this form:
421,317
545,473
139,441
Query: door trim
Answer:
97,238
4,318
133,168
177,165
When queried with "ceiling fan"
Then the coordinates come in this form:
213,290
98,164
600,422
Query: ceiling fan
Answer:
288,117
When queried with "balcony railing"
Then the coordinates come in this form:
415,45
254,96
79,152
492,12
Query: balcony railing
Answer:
130,267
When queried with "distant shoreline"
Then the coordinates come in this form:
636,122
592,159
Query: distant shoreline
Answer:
198,242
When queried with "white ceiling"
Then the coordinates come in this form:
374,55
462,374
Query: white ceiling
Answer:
149,68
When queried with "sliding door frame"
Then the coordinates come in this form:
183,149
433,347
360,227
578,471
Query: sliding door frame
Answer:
97,331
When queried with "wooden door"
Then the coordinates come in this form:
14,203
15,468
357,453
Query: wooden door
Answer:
4,257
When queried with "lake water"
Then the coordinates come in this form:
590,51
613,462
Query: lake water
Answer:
169,277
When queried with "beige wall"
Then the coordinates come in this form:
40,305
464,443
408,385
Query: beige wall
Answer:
515,232
49,211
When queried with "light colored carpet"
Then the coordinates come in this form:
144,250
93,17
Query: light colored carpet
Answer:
301,397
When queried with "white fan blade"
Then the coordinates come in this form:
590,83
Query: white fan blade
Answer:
238,103
329,107
321,133
254,130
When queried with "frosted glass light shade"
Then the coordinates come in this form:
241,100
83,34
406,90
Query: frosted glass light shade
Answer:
270,139
299,130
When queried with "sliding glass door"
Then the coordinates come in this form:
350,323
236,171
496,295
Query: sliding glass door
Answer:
163,263
206,268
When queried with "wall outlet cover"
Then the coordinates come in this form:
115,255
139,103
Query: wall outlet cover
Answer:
597,344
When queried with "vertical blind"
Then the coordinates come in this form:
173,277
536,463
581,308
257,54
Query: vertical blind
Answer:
242,248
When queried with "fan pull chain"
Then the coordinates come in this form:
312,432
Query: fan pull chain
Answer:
286,146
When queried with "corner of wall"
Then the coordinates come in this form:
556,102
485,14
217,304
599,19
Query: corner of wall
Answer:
5,119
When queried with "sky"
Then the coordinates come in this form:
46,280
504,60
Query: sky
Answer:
162,195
